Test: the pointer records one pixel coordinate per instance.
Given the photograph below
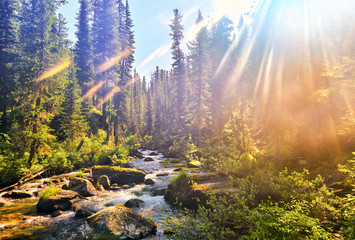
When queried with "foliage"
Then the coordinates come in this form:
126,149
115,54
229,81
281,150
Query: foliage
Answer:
49,191
181,148
306,211
79,174
349,170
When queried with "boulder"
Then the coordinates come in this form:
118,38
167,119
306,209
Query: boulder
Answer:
62,200
114,187
17,195
194,164
190,191
148,159
119,175
86,209
153,154
119,222
149,182
82,186
126,186
2,204
134,203
158,191
104,181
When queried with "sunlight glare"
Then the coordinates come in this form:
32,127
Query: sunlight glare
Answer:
54,70
113,61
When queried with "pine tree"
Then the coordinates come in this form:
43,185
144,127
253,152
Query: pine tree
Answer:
71,120
178,68
106,47
200,75
8,58
83,49
36,91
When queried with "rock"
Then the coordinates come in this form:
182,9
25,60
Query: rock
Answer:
158,191
40,186
55,181
17,195
47,182
86,209
126,186
194,164
2,204
104,181
63,200
148,159
65,186
163,174
119,175
177,169
114,187
100,188
87,170
57,213
183,191
119,222
149,182
134,203
82,186
153,154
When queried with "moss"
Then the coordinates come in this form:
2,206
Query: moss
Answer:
51,190
79,174
172,160
117,169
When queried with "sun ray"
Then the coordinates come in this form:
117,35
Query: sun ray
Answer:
107,97
93,90
113,61
55,70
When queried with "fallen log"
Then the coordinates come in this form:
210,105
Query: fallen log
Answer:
24,179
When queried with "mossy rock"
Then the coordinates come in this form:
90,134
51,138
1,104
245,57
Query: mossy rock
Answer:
119,222
119,175
62,200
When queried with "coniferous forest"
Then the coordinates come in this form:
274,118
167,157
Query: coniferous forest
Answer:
255,118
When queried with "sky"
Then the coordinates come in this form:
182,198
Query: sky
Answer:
151,19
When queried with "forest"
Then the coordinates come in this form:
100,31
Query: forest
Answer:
266,104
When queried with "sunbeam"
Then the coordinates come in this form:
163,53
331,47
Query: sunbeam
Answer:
54,70
113,61
93,90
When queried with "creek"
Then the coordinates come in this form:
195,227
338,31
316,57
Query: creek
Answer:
19,219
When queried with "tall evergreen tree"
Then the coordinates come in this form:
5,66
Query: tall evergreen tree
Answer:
36,91
106,47
8,58
200,75
83,49
178,68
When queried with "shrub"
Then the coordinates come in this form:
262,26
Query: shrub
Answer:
181,149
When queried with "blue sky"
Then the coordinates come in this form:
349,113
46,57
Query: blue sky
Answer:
151,19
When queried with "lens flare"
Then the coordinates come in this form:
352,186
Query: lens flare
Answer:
113,61
54,70
93,90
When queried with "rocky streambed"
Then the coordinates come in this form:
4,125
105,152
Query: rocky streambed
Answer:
125,203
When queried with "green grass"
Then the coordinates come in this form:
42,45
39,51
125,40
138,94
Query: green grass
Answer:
51,190
79,174
172,160
118,169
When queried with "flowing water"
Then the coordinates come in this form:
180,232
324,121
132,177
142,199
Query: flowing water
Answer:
19,219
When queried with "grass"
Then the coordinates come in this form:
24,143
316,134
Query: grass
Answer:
181,176
171,160
79,174
51,190
116,169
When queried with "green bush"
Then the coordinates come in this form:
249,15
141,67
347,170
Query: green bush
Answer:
79,174
181,149
306,210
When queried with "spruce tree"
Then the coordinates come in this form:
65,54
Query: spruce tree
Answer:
8,58
36,91
200,75
83,49
178,68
